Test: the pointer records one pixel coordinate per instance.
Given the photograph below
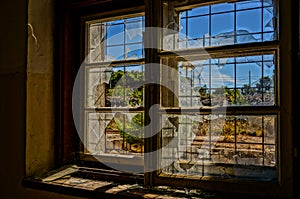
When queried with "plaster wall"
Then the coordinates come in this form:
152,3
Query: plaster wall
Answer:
27,93
40,124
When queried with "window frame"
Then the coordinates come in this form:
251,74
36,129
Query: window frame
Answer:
112,160
253,187
152,19
71,55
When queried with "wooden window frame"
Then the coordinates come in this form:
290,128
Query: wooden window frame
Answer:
135,162
71,56
284,183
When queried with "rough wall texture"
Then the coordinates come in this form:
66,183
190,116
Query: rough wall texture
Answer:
15,89
40,89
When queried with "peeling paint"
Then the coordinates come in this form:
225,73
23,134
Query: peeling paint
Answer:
31,32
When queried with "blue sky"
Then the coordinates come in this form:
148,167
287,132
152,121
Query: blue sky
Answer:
206,26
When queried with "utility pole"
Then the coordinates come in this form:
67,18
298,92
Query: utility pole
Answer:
249,78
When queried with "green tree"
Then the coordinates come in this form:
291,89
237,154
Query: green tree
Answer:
130,130
115,77
234,96
247,90
125,84
264,84
203,91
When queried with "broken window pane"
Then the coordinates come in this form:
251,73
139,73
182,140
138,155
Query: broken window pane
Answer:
223,24
243,81
119,86
115,133
219,145
114,40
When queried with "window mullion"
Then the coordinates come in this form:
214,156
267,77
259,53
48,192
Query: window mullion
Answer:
152,94
224,51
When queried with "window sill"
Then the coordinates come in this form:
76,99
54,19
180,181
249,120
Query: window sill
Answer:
85,182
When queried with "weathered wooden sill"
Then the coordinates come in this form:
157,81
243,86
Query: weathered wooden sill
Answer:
97,183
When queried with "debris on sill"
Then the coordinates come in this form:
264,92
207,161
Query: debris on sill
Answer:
65,178
61,173
69,180
130,190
